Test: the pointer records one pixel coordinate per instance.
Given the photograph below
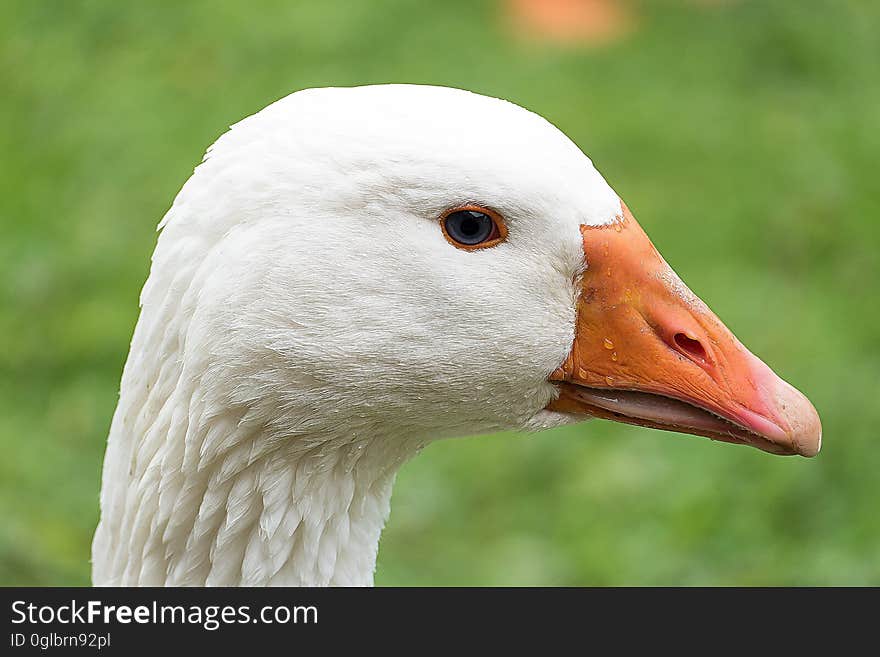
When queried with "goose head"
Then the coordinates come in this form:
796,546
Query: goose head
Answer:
353,273
337,276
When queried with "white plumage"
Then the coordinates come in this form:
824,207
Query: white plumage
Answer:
306,329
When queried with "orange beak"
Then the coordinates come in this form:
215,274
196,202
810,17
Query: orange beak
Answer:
648,351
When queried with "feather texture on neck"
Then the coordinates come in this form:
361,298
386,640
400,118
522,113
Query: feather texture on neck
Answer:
212,499
211,476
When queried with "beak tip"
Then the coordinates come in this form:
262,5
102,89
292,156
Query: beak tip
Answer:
809,440
802,420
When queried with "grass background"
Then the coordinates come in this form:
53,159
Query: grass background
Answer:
744,135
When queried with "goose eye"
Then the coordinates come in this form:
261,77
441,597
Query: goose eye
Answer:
473,227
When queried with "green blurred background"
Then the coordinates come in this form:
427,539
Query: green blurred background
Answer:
744,135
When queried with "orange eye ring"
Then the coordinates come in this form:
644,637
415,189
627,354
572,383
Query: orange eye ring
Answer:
472,227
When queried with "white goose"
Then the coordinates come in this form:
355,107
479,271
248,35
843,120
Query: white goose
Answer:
354,273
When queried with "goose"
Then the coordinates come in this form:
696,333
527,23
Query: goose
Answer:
353,273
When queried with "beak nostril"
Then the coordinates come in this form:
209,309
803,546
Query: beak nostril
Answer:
690,347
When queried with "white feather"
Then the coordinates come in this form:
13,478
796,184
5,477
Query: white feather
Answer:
306,329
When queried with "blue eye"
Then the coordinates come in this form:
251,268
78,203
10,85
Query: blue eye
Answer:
473,227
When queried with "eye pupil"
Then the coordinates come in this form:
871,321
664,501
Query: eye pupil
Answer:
470,227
